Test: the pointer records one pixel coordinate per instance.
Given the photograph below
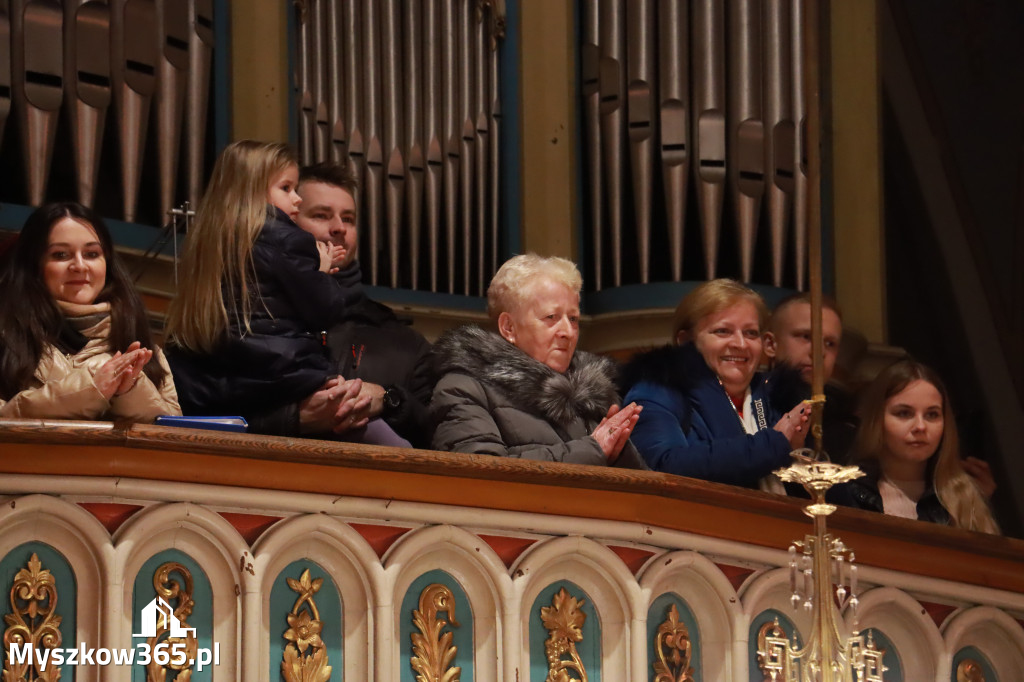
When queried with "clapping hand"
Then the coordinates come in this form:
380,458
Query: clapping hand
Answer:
119,374
613,432
793,425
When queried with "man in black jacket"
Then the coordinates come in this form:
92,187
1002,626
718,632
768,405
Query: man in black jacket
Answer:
788,342
370,343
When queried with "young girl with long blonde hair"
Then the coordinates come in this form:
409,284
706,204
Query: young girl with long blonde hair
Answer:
245,329
908,446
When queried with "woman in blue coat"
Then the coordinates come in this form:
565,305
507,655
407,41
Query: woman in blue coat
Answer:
708,413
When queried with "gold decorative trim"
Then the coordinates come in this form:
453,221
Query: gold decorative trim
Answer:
970,670
773,652
303,633
33,620
432,649
171,590
673,666
564,622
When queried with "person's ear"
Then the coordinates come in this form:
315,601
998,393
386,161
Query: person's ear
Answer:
769,345
506,327
682,337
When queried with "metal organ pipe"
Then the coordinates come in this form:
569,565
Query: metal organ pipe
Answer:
674,92
304,79
319,57
451,137
38,85
392,49
708,59
480,99
799,140
87,79
779,129
746,128
335,85
433,134
353,99
200,57
467,140
133,67
374,179
172,72
590,58
415,160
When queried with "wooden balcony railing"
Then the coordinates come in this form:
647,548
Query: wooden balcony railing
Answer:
479,541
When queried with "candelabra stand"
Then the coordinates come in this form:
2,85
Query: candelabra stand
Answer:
823,580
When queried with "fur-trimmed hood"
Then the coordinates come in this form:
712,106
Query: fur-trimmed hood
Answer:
683,368
584,391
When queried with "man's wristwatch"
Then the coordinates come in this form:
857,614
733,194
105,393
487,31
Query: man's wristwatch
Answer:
392,400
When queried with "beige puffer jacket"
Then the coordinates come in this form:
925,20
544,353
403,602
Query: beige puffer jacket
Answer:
63,386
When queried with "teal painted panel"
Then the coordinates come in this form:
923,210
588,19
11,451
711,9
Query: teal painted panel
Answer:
201,619
767,616
656,615
891,659
589,649
328,603
973,653
462,636
67,592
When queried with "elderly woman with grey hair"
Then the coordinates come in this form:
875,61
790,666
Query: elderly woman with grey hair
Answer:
526,391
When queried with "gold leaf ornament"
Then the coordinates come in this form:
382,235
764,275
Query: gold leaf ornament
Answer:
32,620
970,670
673,666
181,592
303,633
432,648
564,621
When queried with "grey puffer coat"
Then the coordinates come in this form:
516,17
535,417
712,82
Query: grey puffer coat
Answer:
494,399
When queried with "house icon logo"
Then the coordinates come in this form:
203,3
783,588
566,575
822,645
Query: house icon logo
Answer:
158,612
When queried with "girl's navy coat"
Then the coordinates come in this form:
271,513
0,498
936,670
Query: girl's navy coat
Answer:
283,358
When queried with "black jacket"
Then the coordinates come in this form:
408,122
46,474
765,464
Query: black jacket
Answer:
372,344
839,418
862,493
282,358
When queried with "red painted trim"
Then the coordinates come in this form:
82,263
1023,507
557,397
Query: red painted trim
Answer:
508,549
380,537
631,556
250,526
111,514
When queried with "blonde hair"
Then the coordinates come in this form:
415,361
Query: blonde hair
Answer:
513,283
218,247
956,490
714,297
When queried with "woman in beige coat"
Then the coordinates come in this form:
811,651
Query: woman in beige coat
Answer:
74,338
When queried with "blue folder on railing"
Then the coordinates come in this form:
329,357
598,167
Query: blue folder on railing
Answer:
210,423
